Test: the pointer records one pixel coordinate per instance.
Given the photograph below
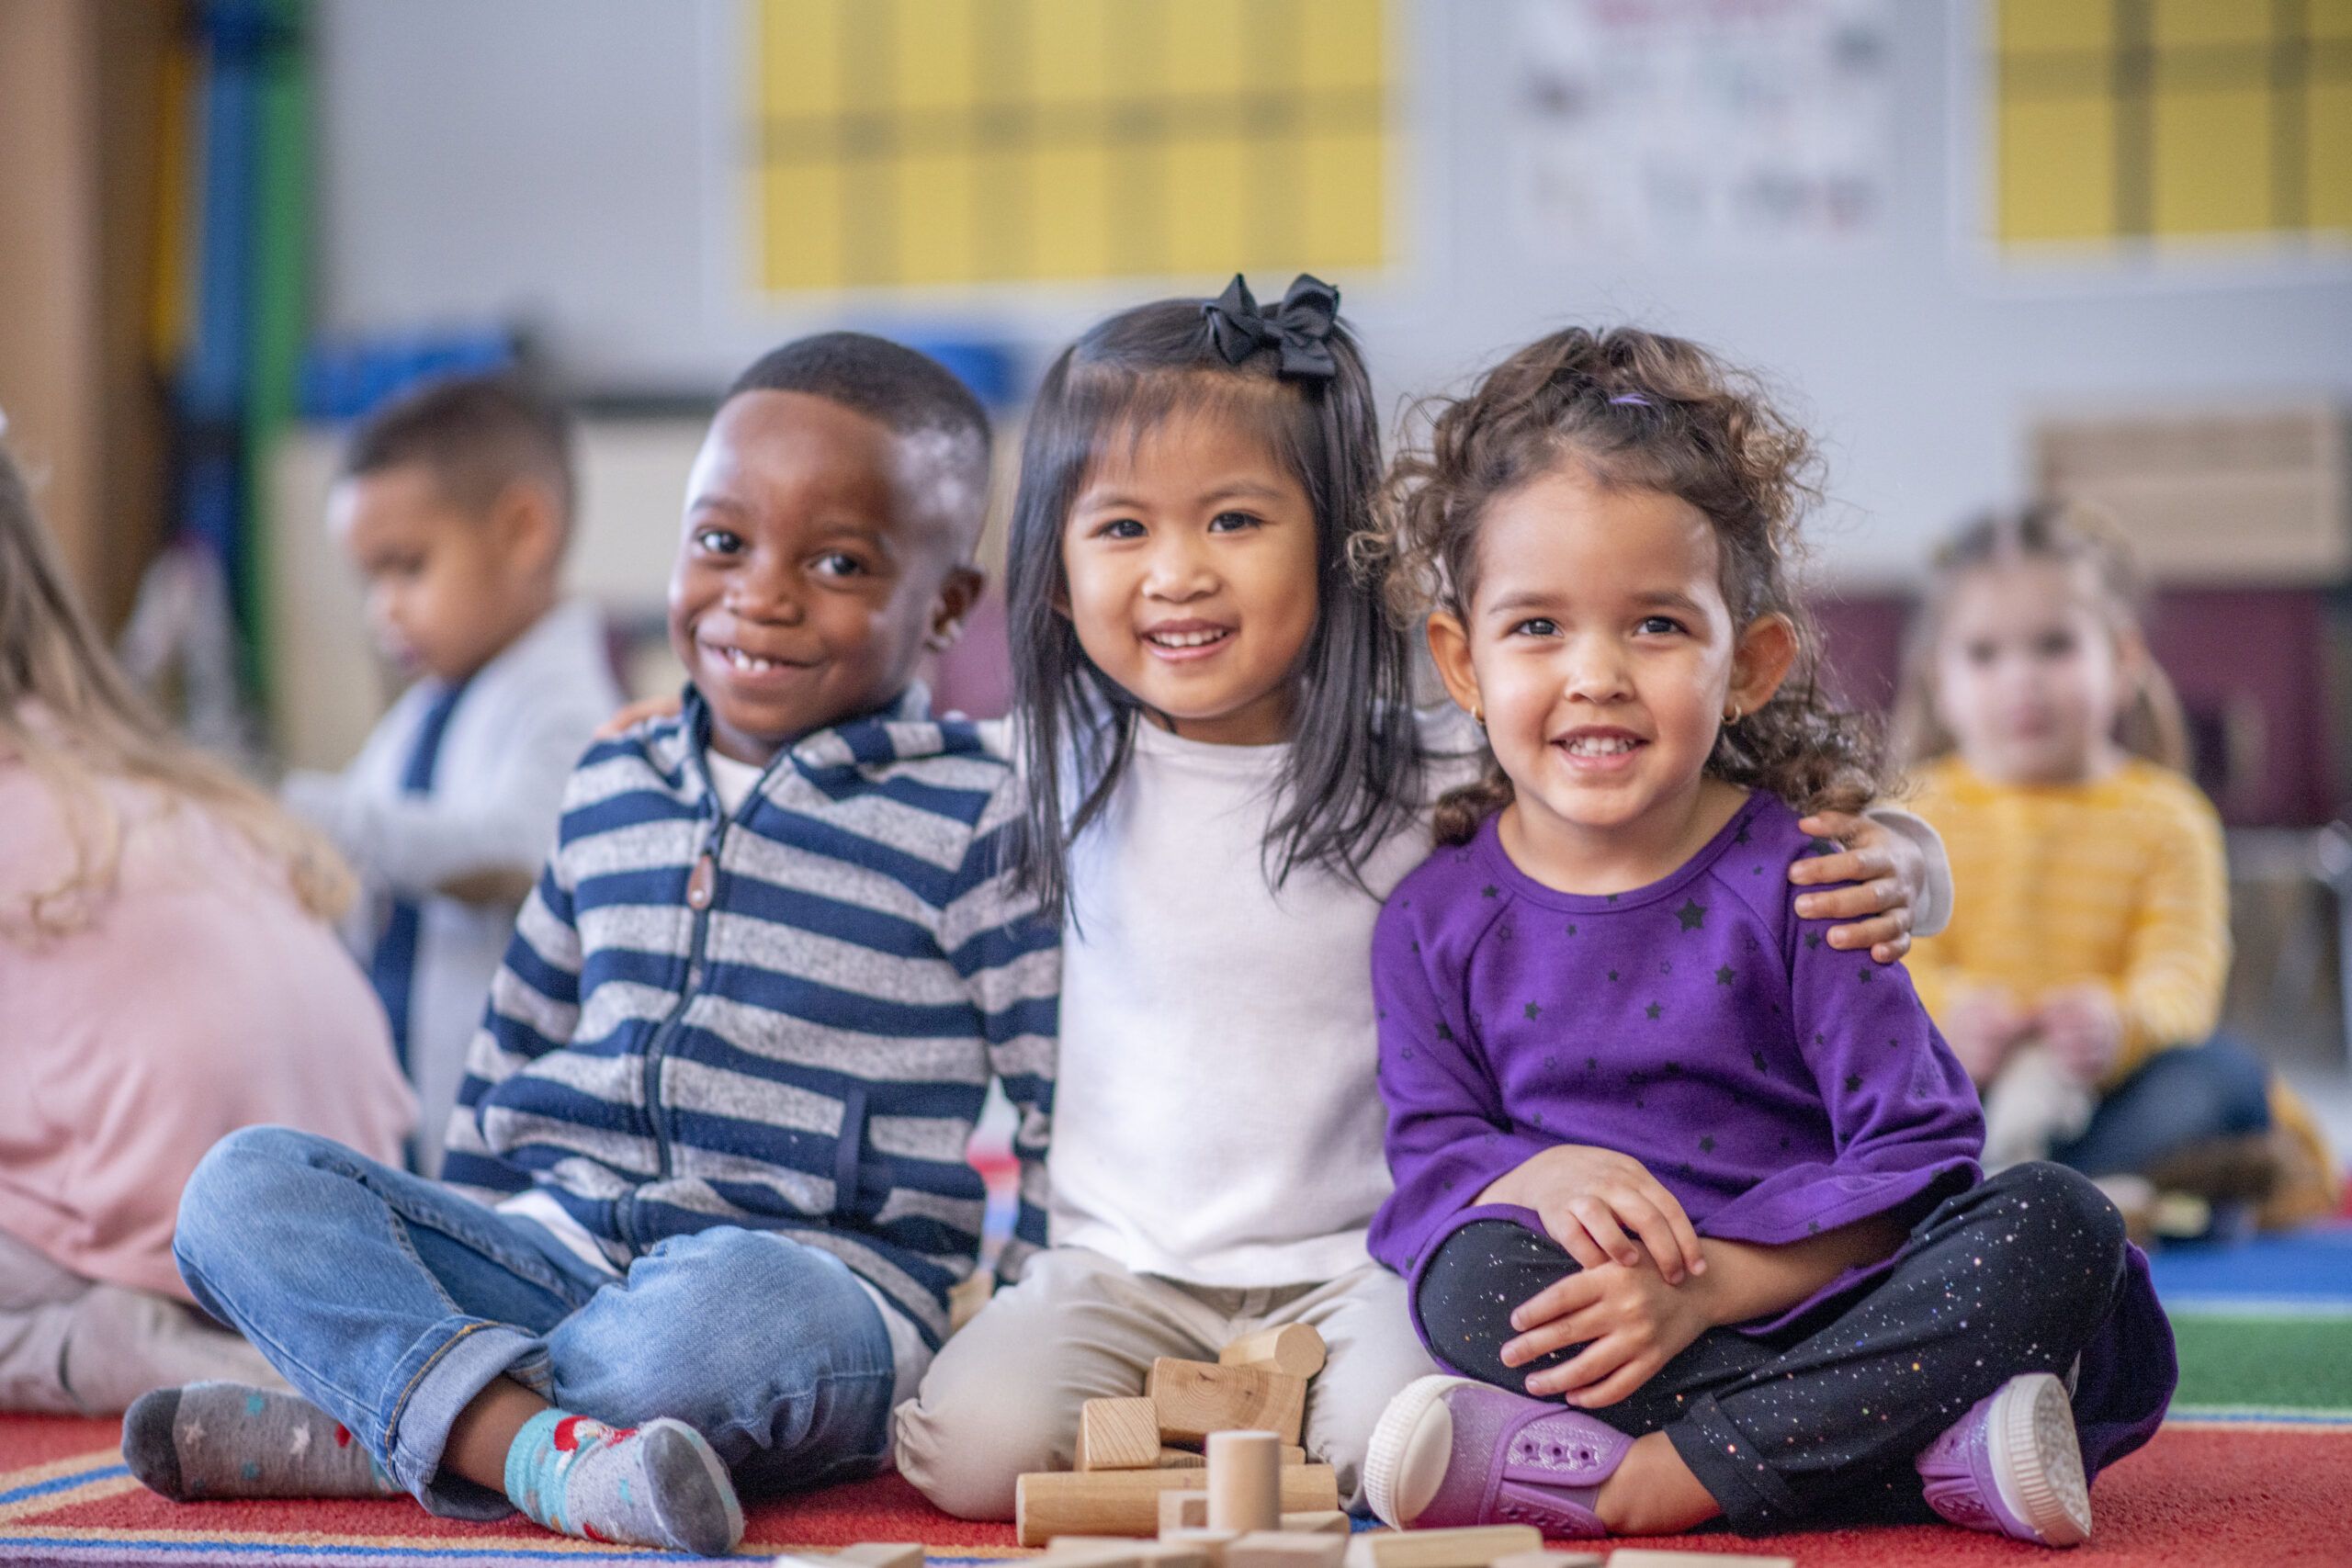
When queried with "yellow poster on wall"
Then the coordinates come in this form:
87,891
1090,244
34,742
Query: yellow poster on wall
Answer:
2129,121
968,142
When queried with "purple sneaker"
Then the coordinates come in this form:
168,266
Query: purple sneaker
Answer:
2011,1466
1451,1451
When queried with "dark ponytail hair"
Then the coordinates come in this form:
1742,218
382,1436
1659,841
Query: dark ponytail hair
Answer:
1643,410
1352,775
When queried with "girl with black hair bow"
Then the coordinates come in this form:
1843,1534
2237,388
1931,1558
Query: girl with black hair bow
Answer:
1227,776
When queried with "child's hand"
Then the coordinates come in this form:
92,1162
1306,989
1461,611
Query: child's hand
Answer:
1630,1320
1889,877
1588,1198
2084,1031
1983,1026
637,713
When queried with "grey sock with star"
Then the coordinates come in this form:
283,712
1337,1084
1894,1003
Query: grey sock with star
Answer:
230,1440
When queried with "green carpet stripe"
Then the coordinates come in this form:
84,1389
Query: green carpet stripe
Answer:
2263,1363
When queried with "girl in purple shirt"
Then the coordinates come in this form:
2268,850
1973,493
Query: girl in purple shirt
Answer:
1662,1154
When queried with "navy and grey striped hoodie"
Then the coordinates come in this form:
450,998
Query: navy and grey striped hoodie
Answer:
785,1019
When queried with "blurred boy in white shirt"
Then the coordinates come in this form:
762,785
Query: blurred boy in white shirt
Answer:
455,502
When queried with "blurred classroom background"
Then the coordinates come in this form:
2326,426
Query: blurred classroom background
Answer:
2098,247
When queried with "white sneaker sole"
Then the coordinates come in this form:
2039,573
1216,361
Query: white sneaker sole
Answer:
1410,1449
2036,1461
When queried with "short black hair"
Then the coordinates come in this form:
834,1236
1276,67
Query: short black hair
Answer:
477,435
906,391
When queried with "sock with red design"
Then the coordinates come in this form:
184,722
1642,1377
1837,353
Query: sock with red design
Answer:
659,1485
230,1440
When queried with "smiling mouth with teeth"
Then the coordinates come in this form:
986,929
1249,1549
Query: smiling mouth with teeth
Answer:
750,664
1599,745
1187,639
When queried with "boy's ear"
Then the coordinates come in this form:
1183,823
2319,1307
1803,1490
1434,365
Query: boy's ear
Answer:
1761,661
1450,648
952,605
529,525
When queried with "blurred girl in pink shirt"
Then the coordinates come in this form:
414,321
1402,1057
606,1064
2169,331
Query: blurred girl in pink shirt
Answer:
169,976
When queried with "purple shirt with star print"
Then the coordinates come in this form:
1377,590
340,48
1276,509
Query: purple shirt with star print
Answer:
1775,1084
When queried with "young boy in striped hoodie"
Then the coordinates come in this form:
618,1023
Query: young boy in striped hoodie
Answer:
706,1192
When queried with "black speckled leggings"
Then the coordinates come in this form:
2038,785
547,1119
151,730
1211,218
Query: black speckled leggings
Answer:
1817,1423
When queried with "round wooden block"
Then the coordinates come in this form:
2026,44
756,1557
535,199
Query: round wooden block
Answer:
1245,1481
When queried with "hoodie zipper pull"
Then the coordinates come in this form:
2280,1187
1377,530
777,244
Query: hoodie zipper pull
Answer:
699,885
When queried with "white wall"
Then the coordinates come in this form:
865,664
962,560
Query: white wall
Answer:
544,160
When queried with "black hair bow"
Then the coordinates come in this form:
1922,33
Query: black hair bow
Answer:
1300,326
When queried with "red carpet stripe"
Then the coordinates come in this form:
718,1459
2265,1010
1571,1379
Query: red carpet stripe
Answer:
2267,1488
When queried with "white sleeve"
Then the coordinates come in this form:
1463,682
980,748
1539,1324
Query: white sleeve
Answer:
416,842
1935,906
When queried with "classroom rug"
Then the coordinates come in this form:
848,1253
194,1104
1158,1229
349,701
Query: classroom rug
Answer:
2265,1328
2203,1494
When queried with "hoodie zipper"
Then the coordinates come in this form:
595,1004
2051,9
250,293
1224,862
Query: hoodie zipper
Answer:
702,889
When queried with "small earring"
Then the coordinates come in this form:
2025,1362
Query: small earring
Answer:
1731,714
1479,715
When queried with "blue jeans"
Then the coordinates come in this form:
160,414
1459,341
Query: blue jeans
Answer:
391,1302
2178,1098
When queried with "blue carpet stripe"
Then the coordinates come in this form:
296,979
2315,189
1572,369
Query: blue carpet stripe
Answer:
2254,1414
2313,1264
62,1484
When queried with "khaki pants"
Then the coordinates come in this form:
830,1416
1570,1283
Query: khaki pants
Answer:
1003,1398
72,1346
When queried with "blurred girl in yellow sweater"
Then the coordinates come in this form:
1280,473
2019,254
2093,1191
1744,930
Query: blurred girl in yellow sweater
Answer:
2081,976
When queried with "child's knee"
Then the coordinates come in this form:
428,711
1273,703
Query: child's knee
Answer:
2069,1226
968,1439
1002,1397
781,1311
236,1182
1464,1297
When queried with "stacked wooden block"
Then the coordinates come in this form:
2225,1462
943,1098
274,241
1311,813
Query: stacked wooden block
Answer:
1133,1452
1208,1458
1206,1463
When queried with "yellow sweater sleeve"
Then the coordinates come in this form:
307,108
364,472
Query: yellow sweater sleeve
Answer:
1939,965
2170,991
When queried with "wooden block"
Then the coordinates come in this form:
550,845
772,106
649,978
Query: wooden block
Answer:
1118,1434
1295,1349
882,1555
1195,1398
1245,1482
1184,1510
1104,1551
1173,1458
1641,1557
1126,1502
1211,1544
1287,1548
1324,1521
1550,1559
1094,1552
1472,1547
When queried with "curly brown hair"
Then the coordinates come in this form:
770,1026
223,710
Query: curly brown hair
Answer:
1635,409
